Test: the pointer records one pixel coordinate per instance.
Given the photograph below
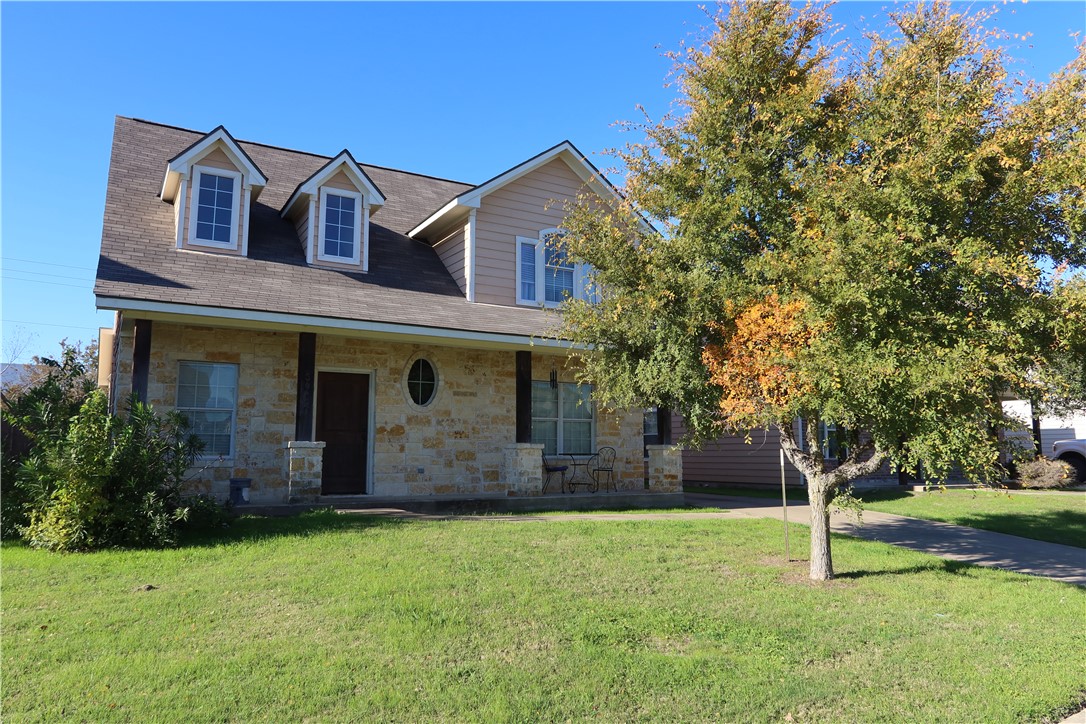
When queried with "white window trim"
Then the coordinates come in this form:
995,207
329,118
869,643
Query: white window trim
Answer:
233,413
581,272
235,212
404,385
356,257
559,440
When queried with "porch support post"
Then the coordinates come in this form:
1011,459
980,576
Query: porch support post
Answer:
141,358
665,468
524,397
663,424
307,357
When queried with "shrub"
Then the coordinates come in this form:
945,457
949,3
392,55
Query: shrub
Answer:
206,513
110,481
1042,473
36,415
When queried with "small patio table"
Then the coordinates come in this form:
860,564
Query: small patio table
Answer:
582,462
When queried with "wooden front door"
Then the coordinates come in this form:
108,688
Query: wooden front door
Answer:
343,424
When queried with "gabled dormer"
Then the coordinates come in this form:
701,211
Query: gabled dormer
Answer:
331,211
500,238
212,185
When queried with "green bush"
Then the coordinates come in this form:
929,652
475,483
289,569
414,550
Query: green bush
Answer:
206,513
1042,473
109,481
36,416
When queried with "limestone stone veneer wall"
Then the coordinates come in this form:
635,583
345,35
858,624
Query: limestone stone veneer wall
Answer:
458,441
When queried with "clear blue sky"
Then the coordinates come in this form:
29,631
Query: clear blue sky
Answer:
456,90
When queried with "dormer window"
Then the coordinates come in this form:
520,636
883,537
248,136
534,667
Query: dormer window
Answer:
546,275
340,230
331,211
216,208
212,185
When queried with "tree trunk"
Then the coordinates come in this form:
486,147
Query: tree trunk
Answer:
821,558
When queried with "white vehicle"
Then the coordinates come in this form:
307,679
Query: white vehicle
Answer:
1072,452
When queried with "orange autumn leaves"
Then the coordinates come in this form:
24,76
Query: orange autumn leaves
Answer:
755,368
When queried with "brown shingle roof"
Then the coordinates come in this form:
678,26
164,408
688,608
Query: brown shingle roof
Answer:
407,282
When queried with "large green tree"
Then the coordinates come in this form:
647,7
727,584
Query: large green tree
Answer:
887,244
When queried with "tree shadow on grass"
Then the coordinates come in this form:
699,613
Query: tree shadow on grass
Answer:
248,529
1066,527
957,568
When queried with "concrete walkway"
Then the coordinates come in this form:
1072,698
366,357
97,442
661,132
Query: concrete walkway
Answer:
953,542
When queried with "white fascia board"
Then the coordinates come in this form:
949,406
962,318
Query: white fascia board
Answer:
178,167
440,214
472,199
374,198
244,318
235,153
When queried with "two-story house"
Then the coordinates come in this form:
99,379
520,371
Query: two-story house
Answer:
335,328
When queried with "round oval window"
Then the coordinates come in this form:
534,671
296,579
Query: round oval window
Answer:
421,382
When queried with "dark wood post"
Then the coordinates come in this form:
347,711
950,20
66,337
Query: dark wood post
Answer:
663,425
524,396
141,358
307,361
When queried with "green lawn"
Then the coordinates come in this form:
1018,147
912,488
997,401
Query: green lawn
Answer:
351,618
1057,517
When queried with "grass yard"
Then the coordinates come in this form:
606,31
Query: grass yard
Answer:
350,618
1057,516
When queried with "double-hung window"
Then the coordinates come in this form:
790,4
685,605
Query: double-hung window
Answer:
545,273
207,396
832,439
341,226
215,208
563,418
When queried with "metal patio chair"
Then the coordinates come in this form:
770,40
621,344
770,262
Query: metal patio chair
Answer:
555,465
603,463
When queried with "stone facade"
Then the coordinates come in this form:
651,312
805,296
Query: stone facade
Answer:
523,468
264,420
665,468
456,445
305,467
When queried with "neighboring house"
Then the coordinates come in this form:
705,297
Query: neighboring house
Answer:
1052,428
331,327
18,375
731,459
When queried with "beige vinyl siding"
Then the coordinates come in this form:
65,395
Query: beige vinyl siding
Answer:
518,209
730,460
451,251
301,224
217,158
340,181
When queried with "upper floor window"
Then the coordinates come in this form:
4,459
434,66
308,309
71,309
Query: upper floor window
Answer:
214,220
544,266
340,227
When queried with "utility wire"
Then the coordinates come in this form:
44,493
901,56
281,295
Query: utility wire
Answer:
47,263
45,274
53,284
46,324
